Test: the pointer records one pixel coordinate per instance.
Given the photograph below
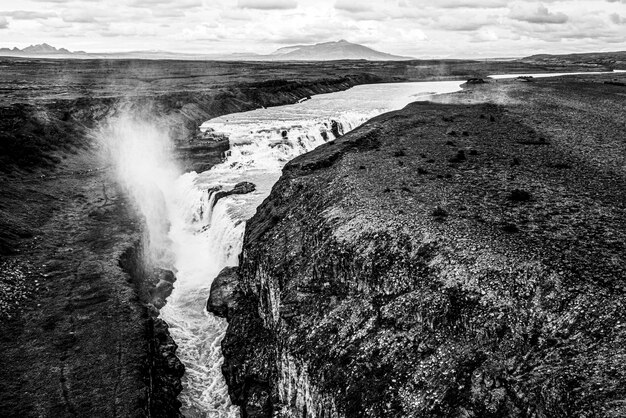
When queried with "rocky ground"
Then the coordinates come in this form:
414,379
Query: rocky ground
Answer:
459,258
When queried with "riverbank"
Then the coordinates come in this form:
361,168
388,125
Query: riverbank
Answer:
462,257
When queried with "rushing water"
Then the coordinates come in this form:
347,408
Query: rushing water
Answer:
196,238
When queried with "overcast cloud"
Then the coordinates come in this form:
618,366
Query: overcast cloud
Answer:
419,28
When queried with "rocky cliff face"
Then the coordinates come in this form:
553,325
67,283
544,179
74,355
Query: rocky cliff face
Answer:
459,259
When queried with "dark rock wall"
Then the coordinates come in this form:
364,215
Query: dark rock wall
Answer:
163,370
385,276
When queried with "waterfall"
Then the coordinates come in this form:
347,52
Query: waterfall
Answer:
195,236
207,235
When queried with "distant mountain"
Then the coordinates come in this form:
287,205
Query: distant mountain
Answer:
43,49
329,51
36,50
615,59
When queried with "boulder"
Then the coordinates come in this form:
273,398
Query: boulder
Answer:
336,128
225,292
240,188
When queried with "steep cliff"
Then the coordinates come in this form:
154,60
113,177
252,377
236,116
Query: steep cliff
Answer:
461,258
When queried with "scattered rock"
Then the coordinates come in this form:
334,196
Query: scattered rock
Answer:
439,212
459,157
399,153
510,228
561,166
518,195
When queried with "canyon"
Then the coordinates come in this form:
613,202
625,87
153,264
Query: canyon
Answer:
402,255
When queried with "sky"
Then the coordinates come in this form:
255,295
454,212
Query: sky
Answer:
417,28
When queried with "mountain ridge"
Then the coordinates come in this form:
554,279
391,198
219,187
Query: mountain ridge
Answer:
39,49
329,51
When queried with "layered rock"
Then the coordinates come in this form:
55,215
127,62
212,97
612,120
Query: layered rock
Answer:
386,276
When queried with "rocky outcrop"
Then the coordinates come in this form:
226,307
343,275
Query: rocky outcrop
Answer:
244,187
164,370
377,283
336,128
225,292
201,155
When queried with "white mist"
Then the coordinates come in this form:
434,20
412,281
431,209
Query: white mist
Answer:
186,236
